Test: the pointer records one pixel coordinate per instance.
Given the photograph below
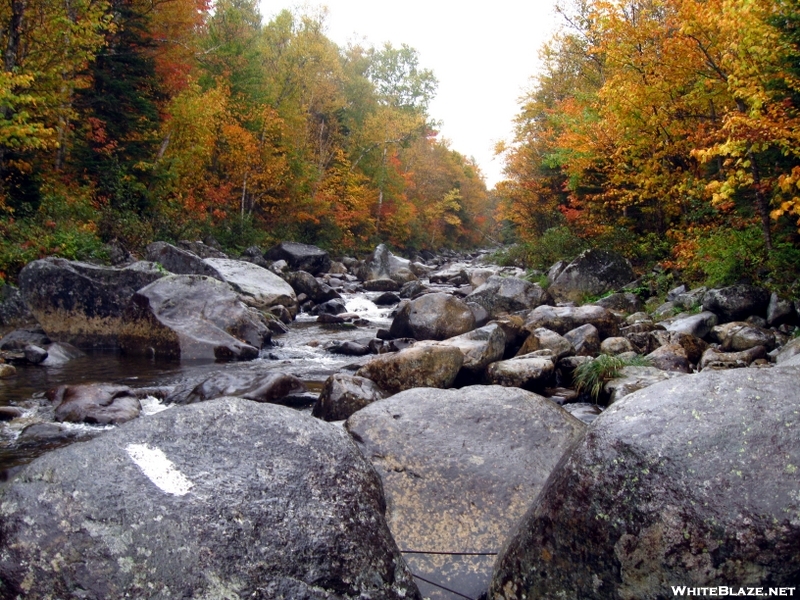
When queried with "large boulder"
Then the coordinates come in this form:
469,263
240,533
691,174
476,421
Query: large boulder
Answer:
459,468
737,302
418,366
688,482
79,303
699,325
191,317
562,319
435,316
301,257
222,499
592,273
385,265
13,312
505,295
255,286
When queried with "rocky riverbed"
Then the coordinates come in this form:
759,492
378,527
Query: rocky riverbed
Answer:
281,424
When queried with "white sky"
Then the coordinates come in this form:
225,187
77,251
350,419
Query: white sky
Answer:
482,53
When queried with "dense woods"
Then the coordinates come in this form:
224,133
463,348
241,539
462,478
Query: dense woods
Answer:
132,120
668,130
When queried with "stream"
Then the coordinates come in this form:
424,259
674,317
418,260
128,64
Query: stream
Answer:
300,352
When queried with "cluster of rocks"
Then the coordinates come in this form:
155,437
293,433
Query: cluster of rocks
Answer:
459,460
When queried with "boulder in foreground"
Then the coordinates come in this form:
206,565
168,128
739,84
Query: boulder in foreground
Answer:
222,499
691,481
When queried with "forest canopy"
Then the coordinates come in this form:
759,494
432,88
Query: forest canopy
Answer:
128,121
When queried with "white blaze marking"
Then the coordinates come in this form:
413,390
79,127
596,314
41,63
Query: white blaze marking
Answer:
155,464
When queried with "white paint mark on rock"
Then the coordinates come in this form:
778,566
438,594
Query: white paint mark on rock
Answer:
155,464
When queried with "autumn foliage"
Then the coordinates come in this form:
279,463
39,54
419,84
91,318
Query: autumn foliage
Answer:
661,128
133,120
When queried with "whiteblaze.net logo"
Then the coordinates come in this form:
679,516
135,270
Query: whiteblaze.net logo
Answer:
723,591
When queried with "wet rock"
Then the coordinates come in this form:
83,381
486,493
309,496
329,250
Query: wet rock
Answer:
593,273
7,371
52,435
256,385
526,371
616,345
680,482
9,413
330,307
716,359
585,339
418,366
387,299
34,354
736,302
303,282
79,303
562,319
632,379
301,257
583,411
624,302
670,357
19,338
780,311
60,353
342,395
385,265
698,325
222,499
459,467
412,289
179,261
96,403
435,316
505,295
545,339
190,317
349,348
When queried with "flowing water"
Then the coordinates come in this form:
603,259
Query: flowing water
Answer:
300,352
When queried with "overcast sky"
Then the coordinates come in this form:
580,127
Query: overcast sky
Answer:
483,57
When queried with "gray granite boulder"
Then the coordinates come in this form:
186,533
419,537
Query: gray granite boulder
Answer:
383,264
222,499
737,302
436,316
504,295
527,371
418,366
255,286
79,303
459,468
191,317
96,403
562,319
593,273
687,482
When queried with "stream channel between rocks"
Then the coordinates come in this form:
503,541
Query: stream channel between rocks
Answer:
300,352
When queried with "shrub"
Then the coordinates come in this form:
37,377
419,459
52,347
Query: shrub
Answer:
591,376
